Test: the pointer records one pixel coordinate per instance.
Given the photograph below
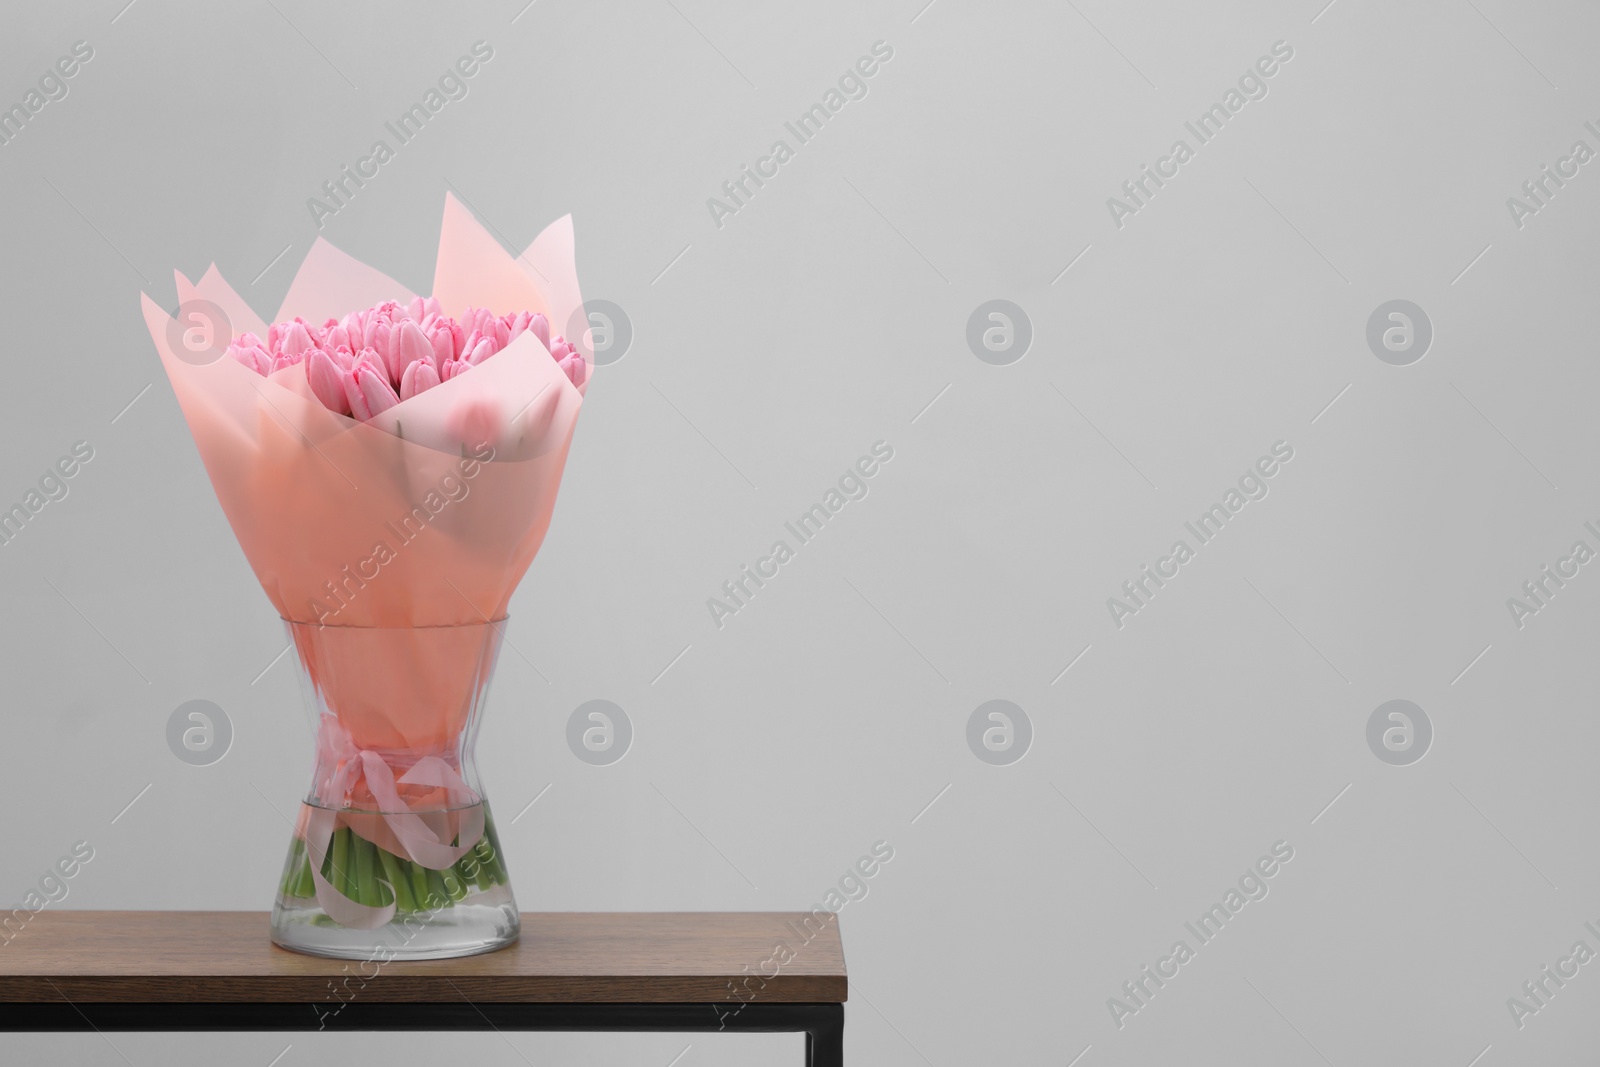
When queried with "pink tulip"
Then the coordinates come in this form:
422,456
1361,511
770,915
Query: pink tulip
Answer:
570,360
327,382
540,327
249,351
419,377
387,311
574,368
407,344
254,358
481,351
444,343
368,390
296,339
375,334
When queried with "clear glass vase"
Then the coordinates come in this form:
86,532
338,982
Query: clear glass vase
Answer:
395,855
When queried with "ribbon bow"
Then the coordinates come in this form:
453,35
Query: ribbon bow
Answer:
424,844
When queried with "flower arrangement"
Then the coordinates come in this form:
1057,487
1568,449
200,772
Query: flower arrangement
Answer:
342,454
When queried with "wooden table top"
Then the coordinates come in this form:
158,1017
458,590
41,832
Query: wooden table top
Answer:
572,957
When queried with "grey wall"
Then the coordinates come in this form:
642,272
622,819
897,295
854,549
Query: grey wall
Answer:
1168,353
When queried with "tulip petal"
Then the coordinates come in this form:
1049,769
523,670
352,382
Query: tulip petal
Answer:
358,402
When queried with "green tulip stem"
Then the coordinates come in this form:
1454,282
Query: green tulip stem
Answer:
402,884
340,861
419,882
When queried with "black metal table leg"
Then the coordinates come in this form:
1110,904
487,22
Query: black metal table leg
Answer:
825,1038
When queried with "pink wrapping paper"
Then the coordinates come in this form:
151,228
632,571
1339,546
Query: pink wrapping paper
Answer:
429,514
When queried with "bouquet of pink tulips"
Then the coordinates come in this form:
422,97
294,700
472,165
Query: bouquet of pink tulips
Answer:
390,475
371,360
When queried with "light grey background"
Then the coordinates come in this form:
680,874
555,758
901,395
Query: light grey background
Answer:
773,351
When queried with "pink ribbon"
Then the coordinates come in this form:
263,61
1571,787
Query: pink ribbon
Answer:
424,844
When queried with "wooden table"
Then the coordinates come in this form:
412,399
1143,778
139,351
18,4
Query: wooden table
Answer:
593,971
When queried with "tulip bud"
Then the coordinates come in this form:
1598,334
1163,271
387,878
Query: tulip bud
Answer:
476,319
375,334
444,346
518,324
368,390
327,382
540,327
249,351
561,348
407,344
575,369
419,377
296,339
252,356
481,351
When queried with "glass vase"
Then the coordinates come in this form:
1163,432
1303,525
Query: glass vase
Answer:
394,854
